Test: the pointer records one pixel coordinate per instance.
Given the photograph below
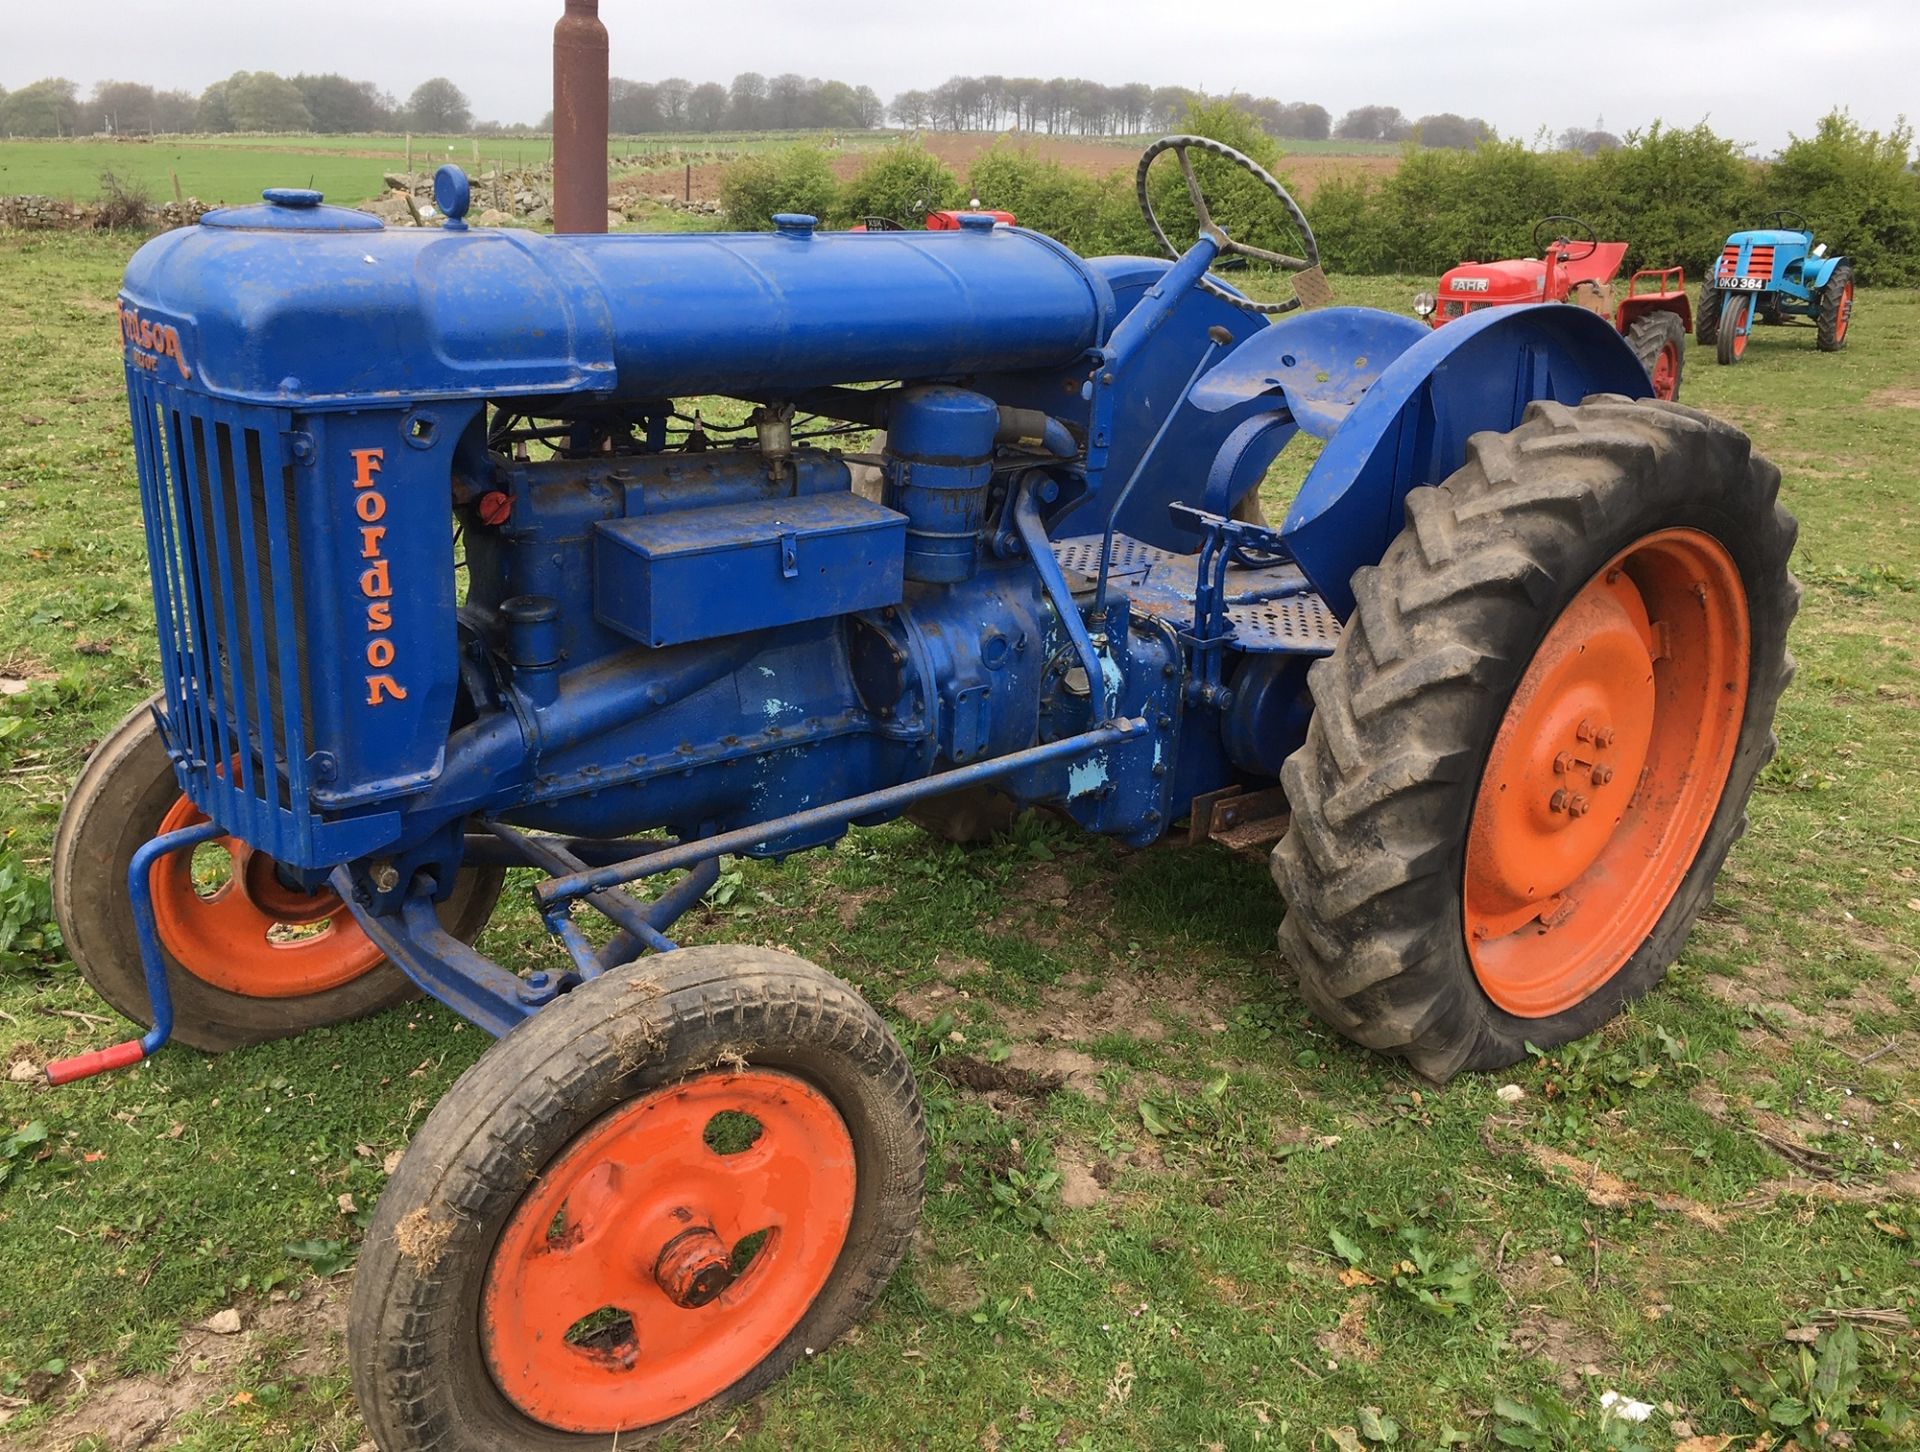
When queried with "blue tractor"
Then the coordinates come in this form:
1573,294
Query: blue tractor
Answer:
1769,275
608,556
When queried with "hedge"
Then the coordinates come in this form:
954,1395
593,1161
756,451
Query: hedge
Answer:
1673,194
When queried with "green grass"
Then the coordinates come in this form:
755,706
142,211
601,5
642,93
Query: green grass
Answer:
1246,1155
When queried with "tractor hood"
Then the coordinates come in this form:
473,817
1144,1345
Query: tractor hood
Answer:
1480,284
302,305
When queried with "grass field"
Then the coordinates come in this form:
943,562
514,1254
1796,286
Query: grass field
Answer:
348,168
1222,1226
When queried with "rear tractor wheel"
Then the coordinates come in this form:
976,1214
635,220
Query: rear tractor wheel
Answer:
1834,309
651,1199
1534,745
1706,315
1660,343
249,958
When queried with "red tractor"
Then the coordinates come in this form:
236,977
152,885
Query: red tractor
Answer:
946,220
1654,317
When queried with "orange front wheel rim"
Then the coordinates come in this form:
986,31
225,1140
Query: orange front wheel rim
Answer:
247,932
655,1264
1606,772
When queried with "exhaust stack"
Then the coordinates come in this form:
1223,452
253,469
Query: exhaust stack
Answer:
580,119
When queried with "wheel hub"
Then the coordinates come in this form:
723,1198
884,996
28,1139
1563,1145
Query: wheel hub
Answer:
655,1262
1605,772
247,932
695,1268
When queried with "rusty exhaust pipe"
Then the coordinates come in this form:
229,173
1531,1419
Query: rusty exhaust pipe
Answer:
580,119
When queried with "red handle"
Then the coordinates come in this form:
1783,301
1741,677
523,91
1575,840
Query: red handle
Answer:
85,1066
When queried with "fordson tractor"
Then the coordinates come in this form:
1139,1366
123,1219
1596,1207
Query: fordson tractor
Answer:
1771,274
1654,316
448,580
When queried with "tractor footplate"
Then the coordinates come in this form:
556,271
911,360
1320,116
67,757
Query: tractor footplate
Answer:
1272,609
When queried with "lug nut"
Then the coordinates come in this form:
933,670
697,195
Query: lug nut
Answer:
1603,737
1579,807
1584,731
1602,775
1558,801
1561,763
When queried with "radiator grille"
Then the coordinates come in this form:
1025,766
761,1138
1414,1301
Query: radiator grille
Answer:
222,546
1759,261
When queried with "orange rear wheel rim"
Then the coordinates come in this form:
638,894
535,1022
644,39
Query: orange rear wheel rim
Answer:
1606,772
235,935
647,1270
1666,372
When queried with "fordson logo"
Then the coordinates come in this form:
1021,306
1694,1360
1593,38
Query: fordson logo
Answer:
151,341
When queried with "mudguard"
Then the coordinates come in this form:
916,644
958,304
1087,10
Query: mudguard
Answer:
1815,271
1412,425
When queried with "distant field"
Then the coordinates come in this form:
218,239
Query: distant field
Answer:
348,168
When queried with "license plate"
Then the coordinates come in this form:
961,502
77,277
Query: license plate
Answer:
1741,284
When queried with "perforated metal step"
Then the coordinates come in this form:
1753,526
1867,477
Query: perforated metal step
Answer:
1272,610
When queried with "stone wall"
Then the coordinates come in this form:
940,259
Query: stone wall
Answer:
50,214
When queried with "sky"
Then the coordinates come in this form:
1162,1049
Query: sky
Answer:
1519,64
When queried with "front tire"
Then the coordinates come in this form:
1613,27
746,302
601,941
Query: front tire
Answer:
1460,880
248,961
570,1253
1735,326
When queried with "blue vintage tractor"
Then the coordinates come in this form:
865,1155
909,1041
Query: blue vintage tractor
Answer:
458,565
1768,275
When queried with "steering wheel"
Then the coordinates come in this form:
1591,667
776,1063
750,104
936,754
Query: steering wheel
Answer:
1585,234
1778,218
1178,145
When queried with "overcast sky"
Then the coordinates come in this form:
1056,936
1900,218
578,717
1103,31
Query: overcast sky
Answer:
1520,64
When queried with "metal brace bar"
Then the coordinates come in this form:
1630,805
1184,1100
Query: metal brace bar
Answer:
884,802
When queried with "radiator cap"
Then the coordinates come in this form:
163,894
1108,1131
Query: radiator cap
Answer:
292,209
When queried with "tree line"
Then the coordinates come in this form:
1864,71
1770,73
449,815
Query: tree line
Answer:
1071,106
245,101
249,101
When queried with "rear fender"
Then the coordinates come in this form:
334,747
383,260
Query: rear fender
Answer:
1635,308
1815,271
1412,426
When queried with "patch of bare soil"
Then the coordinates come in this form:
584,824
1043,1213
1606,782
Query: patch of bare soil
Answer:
128,1413
1602,1189
1346,1340
1895,396
1080,1185
986,1078
1575,1352
1764,990
1141,1006
949,1284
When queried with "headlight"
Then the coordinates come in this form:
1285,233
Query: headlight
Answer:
1423,304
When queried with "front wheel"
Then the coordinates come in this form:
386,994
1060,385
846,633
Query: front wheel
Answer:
1736,323
651,1199
1660,343
249,959
1534,745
